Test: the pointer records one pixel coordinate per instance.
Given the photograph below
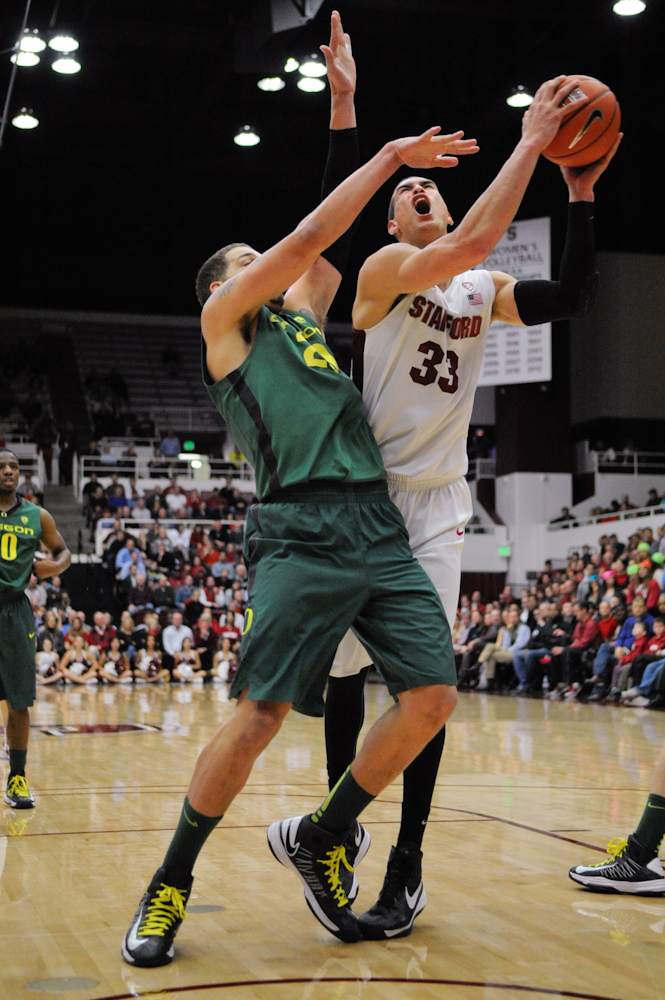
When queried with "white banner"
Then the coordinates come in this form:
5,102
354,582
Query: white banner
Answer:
520,353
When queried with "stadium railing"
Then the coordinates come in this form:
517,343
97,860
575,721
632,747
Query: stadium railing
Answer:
187,476
481,468
618,515
634,463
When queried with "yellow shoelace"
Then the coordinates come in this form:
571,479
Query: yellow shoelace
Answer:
18,786
332,861
165,908
615,849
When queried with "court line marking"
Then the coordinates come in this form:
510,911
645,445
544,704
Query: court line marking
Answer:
219,829
140,789
296,980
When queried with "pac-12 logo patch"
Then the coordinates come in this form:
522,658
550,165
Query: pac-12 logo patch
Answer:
468,284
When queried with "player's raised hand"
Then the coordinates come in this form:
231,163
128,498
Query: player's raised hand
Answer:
433,150
543,118
339,59
581,180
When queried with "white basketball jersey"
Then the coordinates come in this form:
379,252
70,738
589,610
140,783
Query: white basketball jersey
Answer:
420,369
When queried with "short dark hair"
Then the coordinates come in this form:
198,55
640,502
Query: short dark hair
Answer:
659,618
214,269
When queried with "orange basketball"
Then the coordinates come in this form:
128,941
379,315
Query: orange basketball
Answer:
590,127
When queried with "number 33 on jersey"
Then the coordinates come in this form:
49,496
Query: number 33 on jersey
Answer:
418,372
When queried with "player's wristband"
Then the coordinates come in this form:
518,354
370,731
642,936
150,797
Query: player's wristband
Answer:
343,159
574,294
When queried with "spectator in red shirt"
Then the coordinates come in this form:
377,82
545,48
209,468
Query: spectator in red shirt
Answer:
653,650
586,636
230,629
100,635
606,622
645,585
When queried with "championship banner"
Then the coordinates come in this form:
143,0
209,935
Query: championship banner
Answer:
520,353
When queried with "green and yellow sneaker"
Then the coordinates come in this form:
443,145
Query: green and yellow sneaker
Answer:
18,794
149,940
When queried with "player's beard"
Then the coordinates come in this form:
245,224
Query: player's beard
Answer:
276,304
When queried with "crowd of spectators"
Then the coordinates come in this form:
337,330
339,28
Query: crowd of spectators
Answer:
654,499
136,504
592,631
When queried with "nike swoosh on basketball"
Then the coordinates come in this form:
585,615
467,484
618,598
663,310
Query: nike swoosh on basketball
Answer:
596,113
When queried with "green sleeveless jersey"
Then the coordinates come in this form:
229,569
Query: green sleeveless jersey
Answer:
20,532
292,412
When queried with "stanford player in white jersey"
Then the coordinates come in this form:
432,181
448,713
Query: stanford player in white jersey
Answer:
425,314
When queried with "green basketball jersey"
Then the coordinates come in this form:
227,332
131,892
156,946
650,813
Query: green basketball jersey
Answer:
20,532
292,412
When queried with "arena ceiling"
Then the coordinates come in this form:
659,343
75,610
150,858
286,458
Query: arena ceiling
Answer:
132,177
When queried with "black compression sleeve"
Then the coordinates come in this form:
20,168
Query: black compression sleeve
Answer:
574,294
343,159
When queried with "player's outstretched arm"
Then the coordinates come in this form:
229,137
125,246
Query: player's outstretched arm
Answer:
61,557
528,303
240,298
316,289
400,269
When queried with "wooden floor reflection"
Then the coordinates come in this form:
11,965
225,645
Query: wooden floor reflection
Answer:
526,790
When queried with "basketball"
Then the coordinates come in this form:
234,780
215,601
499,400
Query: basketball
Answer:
590,127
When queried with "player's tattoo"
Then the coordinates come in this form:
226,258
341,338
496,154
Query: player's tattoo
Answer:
224,289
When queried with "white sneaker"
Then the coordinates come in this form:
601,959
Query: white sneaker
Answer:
639,702
630,693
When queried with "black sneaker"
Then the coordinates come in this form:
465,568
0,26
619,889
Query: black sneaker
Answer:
630,868
356,847
401,899
149,940
316,856
18,794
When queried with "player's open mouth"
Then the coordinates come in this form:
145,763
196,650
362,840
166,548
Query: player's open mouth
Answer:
421,206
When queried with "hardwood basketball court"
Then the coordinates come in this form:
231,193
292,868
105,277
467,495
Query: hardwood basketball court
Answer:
526,789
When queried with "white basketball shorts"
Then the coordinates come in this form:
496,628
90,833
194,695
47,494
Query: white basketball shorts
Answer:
435,513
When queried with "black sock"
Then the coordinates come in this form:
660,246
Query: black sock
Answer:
345,713
17,759
344,804
651,828
191,833
419,781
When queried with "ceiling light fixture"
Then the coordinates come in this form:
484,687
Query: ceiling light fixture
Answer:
271,84
520,97
31,41
311,86
25,119
246,136
313,66
291,65
25,58
63,43
628,7
66,64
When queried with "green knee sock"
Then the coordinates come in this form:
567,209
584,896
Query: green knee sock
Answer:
191,833
651,827
17,759
344,804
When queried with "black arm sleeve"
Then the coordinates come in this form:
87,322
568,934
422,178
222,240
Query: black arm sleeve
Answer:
574,294
343,159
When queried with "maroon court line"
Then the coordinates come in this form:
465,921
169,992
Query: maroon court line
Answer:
509,822
296,980
219,829
138,789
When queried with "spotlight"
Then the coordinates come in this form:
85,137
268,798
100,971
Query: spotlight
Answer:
311,86
313,66
25,58
246,136
25,119
291,65
271,83
66,64
63,43
628,7
520,97
31,41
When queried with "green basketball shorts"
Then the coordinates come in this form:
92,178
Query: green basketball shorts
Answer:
18,674
323,558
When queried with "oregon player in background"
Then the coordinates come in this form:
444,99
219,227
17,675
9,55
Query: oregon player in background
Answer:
23,525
